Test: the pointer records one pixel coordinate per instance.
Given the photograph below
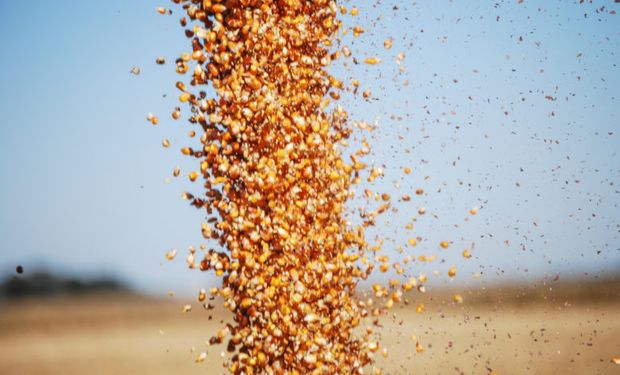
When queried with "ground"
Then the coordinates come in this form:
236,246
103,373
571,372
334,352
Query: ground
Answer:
507,331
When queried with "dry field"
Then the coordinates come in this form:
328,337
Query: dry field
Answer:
568,330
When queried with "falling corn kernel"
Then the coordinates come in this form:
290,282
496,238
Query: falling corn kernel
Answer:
372,60
420,308
418,347
187,308
452,271
466,254
422,277
373,346
388,43
457,298
201,357
184,97
218,8
357,31
444,244
171,254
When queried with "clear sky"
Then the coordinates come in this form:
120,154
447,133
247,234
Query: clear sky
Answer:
508,107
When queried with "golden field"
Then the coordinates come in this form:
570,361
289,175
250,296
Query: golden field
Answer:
571,328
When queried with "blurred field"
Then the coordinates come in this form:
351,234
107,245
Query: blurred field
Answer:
551,329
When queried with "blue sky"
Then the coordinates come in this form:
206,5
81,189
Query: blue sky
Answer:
83,172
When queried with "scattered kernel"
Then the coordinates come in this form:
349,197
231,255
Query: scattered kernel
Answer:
457,298
201,357
420,308
373,346
372,60
452,271
171,254
418,347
